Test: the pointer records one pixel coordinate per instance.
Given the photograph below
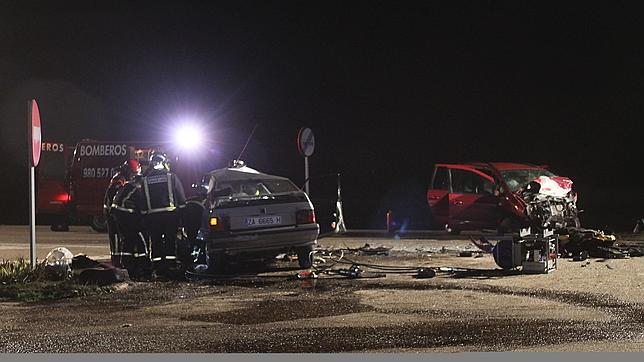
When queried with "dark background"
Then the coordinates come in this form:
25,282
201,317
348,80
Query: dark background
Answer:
388,87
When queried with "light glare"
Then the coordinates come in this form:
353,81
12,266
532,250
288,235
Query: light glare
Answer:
188,137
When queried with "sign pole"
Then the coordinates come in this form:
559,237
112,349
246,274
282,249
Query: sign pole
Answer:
32,216
306,175
34,158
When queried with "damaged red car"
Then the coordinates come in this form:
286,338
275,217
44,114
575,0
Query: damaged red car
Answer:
500,196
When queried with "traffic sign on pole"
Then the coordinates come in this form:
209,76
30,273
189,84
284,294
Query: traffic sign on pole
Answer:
306,142
36,138
306,145
34,148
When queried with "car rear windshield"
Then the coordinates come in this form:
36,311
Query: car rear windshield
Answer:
517,179
254,188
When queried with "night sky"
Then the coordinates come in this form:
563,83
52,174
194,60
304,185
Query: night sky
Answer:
388,87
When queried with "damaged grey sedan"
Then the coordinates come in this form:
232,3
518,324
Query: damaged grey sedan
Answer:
250,214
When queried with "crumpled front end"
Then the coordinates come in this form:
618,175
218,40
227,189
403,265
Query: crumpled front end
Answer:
551,202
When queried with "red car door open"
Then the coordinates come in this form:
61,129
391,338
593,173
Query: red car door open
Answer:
472,204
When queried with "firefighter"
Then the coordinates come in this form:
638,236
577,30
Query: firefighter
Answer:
126,210
191,217
123,173
163,195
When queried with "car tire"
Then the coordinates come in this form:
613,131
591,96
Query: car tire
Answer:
508,225
304,257
215,262
98,223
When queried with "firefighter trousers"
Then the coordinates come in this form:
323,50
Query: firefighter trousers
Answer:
134,256
191,220
116,247
162,228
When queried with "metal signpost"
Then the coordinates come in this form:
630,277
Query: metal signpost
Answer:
306,145
34,158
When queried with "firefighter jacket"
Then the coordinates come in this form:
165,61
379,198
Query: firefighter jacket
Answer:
115,184
162,192
129,198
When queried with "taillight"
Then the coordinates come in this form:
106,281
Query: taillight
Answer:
219,223
62,197
305,217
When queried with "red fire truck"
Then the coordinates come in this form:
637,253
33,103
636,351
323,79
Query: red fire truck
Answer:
72,179
52,193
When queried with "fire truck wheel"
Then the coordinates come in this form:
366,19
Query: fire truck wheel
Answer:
59,227
98,223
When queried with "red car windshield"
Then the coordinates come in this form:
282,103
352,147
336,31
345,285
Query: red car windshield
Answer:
517,179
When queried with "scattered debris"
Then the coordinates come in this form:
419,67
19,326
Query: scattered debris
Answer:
366,249
306,275
425,273
580,256
533,252
596,243
88,271
482,243
576,243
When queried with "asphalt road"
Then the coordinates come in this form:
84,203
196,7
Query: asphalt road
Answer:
594,305
14,241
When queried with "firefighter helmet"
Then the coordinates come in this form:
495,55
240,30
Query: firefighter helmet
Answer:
159,161
135,166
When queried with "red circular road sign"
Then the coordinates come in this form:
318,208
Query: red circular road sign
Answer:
36,139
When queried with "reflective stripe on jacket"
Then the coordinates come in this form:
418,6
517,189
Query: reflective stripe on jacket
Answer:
163,192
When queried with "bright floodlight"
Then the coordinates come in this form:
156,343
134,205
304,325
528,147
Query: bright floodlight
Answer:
188,137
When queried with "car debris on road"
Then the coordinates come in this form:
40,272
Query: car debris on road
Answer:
576,243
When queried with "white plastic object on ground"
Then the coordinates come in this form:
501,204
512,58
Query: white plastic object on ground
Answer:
59,256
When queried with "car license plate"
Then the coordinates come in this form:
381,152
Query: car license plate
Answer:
263,220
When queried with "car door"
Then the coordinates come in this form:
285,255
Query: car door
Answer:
438,196
472,204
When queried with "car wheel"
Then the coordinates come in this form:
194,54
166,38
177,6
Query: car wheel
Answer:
98,223
59,227
304,256
508,225
215,262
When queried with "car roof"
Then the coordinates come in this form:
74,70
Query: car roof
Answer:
515,166
501,166
242,174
